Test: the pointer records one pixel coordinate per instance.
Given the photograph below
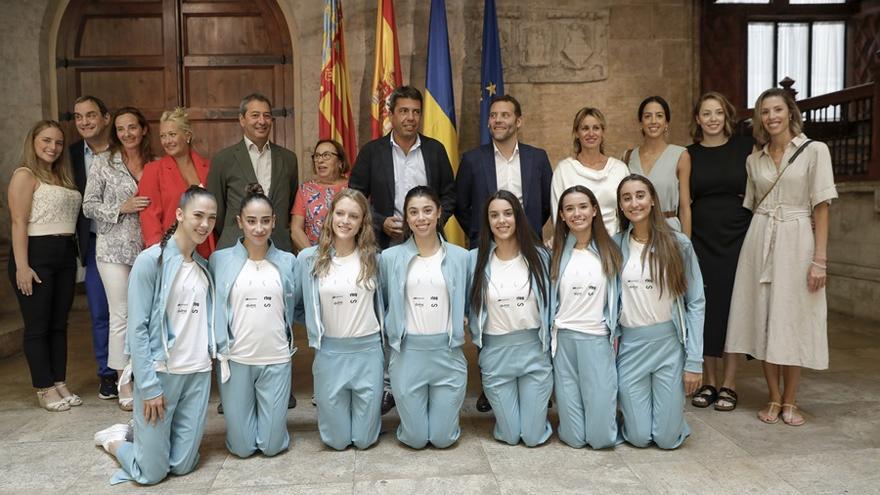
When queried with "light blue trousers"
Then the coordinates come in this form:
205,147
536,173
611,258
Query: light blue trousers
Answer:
348,390
255,408
650,368
428,379
517,380
169,445
586,389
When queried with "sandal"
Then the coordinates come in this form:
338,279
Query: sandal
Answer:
726,399
67,396
56,406
705,396
770,414
792,418
126,404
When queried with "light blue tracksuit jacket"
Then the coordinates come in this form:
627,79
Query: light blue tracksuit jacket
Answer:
148,337
689,309
226,265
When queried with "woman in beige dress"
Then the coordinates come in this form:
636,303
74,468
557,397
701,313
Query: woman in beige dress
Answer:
778,312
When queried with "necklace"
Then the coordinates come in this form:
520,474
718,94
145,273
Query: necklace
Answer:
636,238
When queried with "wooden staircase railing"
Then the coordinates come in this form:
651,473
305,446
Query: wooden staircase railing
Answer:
848,121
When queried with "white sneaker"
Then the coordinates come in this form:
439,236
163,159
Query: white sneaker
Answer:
116,433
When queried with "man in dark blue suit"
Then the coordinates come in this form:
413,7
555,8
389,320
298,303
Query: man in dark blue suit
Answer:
505,163
94,127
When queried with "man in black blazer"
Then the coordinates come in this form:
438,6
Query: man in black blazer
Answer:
387,167
505,163
253,159
92,119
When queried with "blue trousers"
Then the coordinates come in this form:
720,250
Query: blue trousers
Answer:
255,408
99,310
428,379
348,390
169,445
650,368
586,389
517,380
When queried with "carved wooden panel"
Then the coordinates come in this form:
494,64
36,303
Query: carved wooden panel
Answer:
129,53
226,35
121,36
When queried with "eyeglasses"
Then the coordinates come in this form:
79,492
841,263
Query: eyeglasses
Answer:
323,156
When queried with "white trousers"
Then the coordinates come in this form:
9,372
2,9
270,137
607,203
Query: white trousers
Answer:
115,279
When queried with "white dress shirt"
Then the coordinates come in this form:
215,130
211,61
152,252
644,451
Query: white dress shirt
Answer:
507,172
261,159
409,171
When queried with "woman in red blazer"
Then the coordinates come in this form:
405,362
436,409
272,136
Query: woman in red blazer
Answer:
165,179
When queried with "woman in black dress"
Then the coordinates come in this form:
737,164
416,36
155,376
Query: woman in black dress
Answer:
718,183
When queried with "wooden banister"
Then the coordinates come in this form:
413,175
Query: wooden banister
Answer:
848,121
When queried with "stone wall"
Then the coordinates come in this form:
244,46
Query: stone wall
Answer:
854,251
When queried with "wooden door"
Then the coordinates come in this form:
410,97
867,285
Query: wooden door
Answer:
156,55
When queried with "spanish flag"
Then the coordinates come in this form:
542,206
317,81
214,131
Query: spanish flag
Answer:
386,69
438,114
334,107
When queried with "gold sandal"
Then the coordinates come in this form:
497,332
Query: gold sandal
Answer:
771,416
57,406
793,418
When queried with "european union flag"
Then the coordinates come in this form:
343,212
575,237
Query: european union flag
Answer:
491,73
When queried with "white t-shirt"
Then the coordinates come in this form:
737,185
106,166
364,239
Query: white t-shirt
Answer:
427,301
641,303
582,294
510,303
187,310
347,309
258,328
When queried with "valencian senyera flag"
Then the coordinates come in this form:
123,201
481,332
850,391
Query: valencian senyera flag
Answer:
334,107
438,114
386,69
491,72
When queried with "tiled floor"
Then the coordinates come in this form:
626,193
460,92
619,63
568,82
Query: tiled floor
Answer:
837,451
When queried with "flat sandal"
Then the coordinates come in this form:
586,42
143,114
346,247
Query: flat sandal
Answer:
773,410
790,418
726,395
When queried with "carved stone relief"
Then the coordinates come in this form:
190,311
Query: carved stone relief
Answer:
558,46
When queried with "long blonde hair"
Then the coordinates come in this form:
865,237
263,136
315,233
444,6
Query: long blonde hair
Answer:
59,173
365,241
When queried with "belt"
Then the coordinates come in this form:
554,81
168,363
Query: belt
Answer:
670,214
780,213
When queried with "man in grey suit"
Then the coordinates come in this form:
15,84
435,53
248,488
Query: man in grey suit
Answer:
253,159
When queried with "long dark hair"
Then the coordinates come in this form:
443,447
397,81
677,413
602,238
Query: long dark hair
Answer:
609,254
424,192
667,262
529,246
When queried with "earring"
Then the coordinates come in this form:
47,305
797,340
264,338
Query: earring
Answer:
666,130
189,140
